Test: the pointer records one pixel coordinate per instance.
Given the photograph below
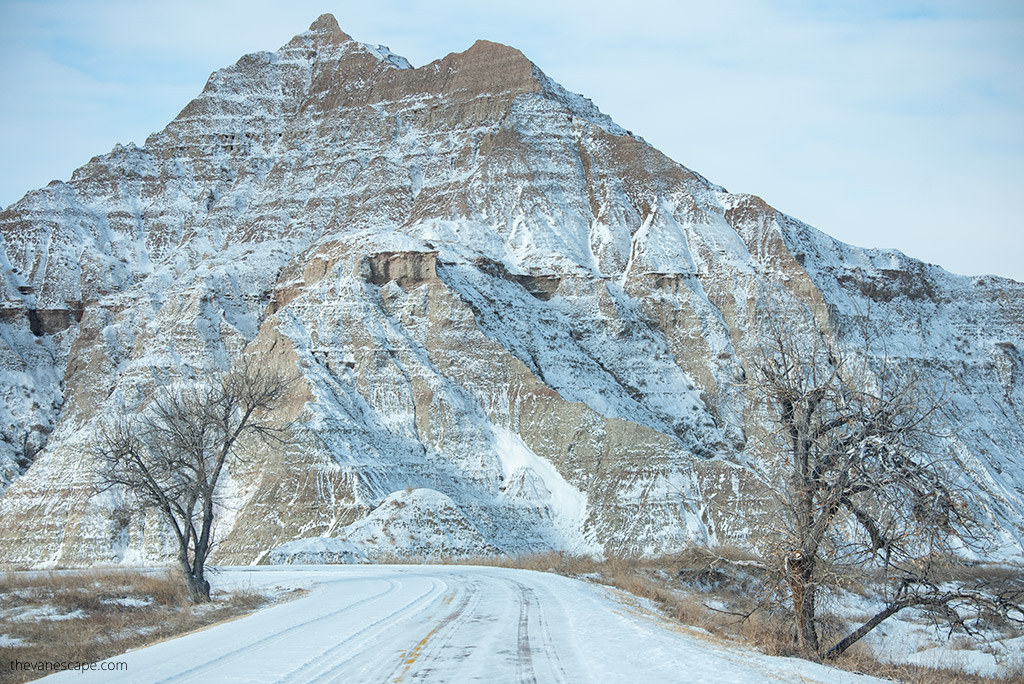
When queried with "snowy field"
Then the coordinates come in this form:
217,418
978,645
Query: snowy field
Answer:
446,624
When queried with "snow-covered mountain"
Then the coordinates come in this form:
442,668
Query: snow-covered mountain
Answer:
517,325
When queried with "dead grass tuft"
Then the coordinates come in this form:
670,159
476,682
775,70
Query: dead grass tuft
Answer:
859,659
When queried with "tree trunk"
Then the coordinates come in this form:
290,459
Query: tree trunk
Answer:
198,588
800,572
195,584
202,550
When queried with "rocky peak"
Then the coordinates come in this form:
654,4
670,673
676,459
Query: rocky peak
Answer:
487,68
325,31
326,24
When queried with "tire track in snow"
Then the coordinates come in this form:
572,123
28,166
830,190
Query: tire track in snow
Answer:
420,661
232,656
325,666
526,664
524,656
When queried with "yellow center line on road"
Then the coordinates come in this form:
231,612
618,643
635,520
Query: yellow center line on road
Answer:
411,656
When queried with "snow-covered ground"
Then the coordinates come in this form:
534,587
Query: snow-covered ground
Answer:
446,624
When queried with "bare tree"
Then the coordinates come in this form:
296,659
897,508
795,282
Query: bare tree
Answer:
860,480
171,455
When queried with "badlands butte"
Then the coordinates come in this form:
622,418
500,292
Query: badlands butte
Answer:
515,325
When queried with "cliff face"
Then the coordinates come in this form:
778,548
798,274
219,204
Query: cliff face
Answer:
517,326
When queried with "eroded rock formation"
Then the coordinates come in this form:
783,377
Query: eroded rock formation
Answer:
504,308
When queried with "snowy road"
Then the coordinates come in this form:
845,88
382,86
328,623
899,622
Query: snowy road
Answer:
446,624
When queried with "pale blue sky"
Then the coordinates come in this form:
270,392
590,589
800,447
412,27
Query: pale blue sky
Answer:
887,124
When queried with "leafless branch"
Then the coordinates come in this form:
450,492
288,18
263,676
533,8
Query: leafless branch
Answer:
170,455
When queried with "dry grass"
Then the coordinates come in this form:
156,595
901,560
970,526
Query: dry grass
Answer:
88,616
858,659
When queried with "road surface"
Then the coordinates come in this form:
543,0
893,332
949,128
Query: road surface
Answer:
446,624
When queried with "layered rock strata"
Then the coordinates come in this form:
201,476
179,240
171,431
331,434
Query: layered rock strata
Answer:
517,326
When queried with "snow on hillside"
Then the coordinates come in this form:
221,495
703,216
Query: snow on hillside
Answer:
509,317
